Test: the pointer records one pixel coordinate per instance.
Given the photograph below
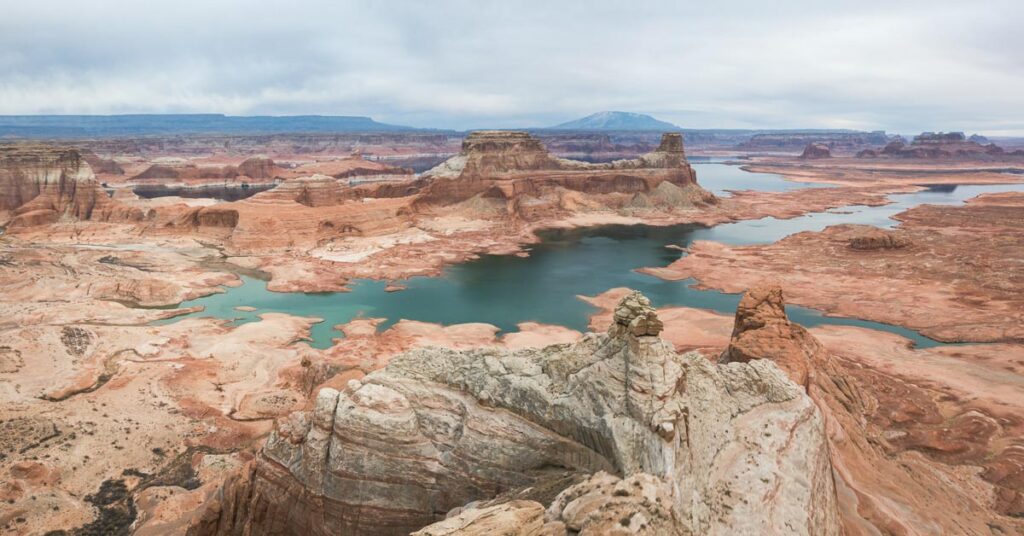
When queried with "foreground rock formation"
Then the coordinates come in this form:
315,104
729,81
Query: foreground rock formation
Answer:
879,423
695,448
762,331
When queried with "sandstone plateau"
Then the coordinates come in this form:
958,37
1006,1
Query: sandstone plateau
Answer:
898,276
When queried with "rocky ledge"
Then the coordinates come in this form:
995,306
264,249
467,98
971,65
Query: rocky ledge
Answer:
614,432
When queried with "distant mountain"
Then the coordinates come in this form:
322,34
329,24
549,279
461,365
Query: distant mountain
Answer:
83,126
617,121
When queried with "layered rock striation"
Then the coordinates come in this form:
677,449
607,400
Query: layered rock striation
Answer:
42,184
512,173
614,429
762,331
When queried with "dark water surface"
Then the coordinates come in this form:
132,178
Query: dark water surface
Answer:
505,290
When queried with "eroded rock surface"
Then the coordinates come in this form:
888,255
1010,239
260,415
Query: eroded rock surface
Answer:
763,331
41,184
721,449
898,442
512,173
952,273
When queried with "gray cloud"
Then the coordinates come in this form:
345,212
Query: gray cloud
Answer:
901,66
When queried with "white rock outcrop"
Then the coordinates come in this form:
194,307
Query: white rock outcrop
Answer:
716,449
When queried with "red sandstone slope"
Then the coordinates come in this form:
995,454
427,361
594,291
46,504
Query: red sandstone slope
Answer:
903,449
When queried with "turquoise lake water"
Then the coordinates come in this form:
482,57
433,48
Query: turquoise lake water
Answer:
505,290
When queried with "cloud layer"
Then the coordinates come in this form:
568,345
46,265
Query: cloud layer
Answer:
900,66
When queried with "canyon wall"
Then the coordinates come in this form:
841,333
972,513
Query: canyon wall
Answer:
41,184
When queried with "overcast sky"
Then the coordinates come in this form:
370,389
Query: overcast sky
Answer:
902,66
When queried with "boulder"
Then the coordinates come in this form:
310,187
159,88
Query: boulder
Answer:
873,238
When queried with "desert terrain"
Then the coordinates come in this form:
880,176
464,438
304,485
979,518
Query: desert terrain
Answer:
125,413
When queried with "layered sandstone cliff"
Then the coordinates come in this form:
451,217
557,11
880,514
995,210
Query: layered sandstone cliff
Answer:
614,430
42,184
505,180
299,214
512,173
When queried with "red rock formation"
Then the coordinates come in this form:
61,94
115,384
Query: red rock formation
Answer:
43,184
702,449
105,166
513,173
354,166
872,238
763,331
180,169
259,167
875,419
792,142
816,150
299,214
941,146
315,191
26,169
256,168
